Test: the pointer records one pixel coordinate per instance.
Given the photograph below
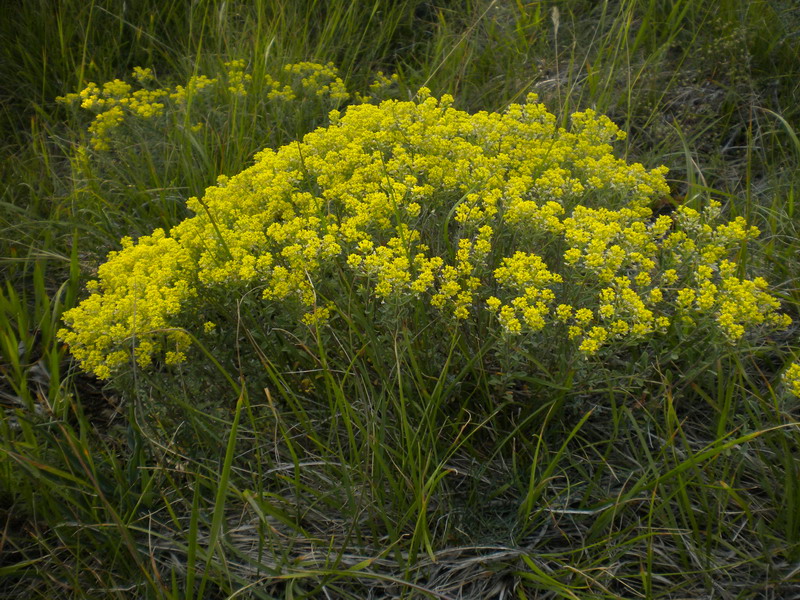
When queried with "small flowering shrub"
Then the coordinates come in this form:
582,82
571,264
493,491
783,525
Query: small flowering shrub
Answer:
425,213
116,103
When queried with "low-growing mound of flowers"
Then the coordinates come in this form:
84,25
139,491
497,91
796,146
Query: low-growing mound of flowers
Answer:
465,215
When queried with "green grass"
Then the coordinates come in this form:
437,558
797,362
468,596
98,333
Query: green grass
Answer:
355,467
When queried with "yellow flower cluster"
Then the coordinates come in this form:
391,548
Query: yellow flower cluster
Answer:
140,289
422,203
527,276
142,75
791,379
183,94
237,79
305,78
380,88
382,81
115,99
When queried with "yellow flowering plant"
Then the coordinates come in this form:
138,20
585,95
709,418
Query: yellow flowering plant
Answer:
116,102
431,215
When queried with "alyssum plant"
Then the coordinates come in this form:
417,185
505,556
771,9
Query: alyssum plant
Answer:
417,212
